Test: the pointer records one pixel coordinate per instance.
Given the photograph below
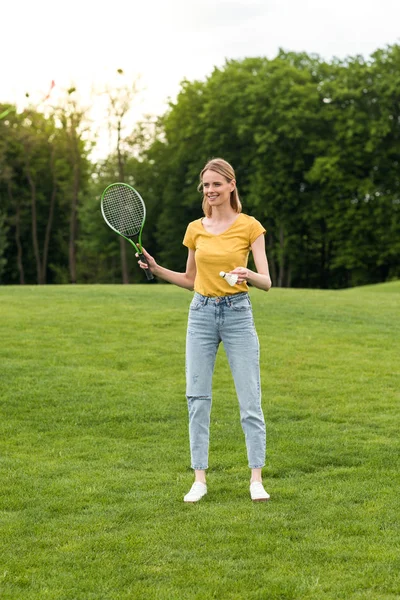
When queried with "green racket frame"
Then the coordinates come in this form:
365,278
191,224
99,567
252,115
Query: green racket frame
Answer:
139,201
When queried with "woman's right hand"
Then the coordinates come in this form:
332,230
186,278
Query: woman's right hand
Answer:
152,265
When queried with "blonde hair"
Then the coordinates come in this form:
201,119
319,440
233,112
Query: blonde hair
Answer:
221,166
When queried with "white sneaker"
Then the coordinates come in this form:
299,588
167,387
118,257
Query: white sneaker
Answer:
257,492
197,491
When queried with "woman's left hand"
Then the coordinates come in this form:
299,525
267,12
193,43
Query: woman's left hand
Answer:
242,273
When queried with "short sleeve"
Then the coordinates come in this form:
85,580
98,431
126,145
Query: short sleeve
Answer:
256,229
188,240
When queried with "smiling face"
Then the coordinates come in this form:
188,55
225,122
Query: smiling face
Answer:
216,188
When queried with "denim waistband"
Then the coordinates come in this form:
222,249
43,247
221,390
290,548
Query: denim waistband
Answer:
220,299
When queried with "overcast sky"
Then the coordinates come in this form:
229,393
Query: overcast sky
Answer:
164,41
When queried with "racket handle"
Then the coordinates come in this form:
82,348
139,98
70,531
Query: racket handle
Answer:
148,273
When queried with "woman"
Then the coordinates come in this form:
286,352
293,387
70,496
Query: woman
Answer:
221,241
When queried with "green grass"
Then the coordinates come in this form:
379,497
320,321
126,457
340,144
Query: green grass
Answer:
94,455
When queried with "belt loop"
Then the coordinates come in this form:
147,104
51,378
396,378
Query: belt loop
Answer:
206,301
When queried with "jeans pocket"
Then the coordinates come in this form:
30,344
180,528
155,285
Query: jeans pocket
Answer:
196,304
240,304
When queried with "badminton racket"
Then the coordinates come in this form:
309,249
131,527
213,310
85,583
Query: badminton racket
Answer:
124,211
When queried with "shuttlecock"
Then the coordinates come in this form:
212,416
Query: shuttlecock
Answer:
230,277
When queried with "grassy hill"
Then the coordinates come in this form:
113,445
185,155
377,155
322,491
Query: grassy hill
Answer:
94,455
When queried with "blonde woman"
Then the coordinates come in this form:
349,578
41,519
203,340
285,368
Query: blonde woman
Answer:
220,312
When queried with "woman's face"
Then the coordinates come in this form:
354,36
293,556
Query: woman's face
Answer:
216,188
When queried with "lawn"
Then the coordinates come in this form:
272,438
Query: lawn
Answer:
94,453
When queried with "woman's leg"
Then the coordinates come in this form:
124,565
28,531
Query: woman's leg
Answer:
200,475
242,348
202,342
256,475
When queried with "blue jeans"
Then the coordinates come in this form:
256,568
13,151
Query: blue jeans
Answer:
228,319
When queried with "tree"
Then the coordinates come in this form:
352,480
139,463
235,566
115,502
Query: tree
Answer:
120,102
73,126
36,184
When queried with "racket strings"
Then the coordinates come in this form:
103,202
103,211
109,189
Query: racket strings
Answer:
123,209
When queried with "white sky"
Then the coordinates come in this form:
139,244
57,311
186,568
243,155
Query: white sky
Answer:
84,42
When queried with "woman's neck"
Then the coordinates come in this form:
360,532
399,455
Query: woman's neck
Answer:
220,214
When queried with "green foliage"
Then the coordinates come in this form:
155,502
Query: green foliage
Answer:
98,250
3,243
315,146
307,140
43,164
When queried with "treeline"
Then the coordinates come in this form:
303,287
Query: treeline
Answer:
315,146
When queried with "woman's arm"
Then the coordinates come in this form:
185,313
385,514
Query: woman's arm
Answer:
261,279
184,280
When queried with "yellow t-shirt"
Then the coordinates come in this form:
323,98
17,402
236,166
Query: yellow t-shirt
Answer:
222,252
